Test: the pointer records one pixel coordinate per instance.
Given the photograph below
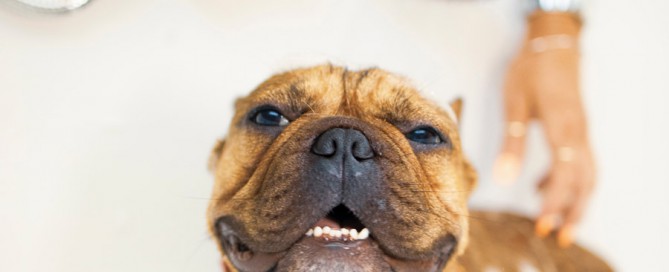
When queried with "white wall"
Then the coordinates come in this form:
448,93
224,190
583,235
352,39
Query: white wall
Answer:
107,115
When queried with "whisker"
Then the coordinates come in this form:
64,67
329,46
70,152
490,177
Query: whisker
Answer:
207,238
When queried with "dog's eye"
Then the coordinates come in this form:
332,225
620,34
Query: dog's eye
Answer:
425,135
270,117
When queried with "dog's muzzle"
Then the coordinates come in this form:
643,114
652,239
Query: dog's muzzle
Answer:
345,208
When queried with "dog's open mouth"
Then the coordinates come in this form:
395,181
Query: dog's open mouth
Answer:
339,226
337,242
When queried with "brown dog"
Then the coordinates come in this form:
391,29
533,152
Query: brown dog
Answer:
325,169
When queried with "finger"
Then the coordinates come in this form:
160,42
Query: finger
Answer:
566,236
508,163
574,212
573,215
545,224
556,198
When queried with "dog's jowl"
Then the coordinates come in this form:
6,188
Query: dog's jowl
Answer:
325,169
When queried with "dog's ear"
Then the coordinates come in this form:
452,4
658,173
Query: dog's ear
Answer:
471,176
470,173
456,106
216,154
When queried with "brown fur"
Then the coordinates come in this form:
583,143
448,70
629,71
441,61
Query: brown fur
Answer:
262,191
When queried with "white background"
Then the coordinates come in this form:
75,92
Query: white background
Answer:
107,115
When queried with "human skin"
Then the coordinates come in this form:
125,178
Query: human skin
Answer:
542,84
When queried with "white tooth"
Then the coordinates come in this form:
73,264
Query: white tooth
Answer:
354,234
364,233
326,230
344,232
318,232
336,233
310,232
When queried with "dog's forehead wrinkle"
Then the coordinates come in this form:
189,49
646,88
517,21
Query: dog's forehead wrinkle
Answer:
393,97
297,97
362,75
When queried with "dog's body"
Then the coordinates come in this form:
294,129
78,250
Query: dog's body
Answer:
506,242
325,169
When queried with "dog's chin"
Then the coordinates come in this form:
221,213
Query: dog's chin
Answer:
317,254
313,252
337,242
362,255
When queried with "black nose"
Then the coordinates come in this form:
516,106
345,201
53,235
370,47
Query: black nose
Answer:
343,144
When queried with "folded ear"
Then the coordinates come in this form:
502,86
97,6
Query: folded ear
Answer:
456,106
216,154
471,176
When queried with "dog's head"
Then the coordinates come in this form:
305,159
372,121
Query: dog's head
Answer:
331,169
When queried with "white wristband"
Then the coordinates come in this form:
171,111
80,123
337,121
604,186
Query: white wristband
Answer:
573,6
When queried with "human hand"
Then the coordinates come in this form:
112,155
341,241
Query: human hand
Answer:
543,84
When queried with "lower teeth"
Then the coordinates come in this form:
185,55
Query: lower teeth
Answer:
328,234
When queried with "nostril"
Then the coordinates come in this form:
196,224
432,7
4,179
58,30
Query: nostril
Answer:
324,146
328,143
360,148
362,151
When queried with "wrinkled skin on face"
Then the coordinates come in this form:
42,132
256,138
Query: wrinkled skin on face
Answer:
350,139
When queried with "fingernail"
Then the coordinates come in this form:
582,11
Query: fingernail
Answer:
506,169
566,236
544,225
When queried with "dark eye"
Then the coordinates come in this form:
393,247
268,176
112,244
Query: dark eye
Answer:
425,135
270,117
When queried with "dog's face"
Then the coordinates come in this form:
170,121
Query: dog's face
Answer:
348,171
